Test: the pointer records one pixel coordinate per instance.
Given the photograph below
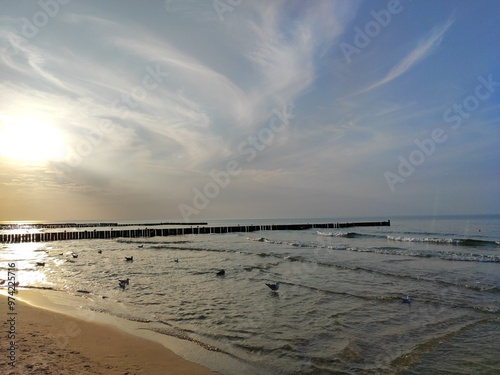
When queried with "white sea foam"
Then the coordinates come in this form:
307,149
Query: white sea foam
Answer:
332,234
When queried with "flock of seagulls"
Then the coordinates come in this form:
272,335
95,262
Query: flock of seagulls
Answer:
222,272
42,264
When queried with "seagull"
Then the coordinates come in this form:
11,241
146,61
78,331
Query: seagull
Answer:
406,299
140,246
221,273
74,255
129,259
176,260
127,281
41,264
274,287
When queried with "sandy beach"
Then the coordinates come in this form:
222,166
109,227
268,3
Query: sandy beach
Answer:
47,342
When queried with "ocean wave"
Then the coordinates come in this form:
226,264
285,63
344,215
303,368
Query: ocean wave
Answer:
345,234
175,332
261,267
391,298
333,234
142,241
445,255
471,242
290,243
272,242
466,242
475,242
295,258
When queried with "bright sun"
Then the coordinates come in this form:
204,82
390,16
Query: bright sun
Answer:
29,140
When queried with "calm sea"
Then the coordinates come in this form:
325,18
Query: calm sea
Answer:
339,309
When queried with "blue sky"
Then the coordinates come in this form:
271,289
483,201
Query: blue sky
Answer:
194,110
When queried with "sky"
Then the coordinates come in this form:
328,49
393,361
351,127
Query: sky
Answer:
195,110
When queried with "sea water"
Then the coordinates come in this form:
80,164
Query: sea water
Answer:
340,305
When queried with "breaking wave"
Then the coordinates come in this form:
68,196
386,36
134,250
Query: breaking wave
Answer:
447,241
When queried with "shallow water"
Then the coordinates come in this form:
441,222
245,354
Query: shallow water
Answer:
339,307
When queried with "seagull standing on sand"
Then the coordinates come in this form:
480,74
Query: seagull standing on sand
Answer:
129,259
274,287
221,273
127,281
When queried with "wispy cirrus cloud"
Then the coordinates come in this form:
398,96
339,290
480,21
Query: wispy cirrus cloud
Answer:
424,48
224,81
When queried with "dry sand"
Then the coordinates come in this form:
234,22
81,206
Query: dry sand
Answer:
52,343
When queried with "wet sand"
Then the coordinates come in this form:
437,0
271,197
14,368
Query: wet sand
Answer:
48,342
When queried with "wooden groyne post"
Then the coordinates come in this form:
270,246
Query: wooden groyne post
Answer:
164,232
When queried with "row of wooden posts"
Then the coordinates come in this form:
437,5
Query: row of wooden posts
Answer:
155,232
17,226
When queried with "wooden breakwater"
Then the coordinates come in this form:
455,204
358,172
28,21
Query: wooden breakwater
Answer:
17,226
164,232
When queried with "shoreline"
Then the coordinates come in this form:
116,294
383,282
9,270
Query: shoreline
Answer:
48,342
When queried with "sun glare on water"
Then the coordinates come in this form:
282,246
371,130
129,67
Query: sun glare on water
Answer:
29,140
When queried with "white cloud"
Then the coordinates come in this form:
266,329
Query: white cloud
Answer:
225,79
424,48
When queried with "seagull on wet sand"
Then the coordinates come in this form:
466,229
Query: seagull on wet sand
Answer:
129,259
126,281
274,287
221,273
